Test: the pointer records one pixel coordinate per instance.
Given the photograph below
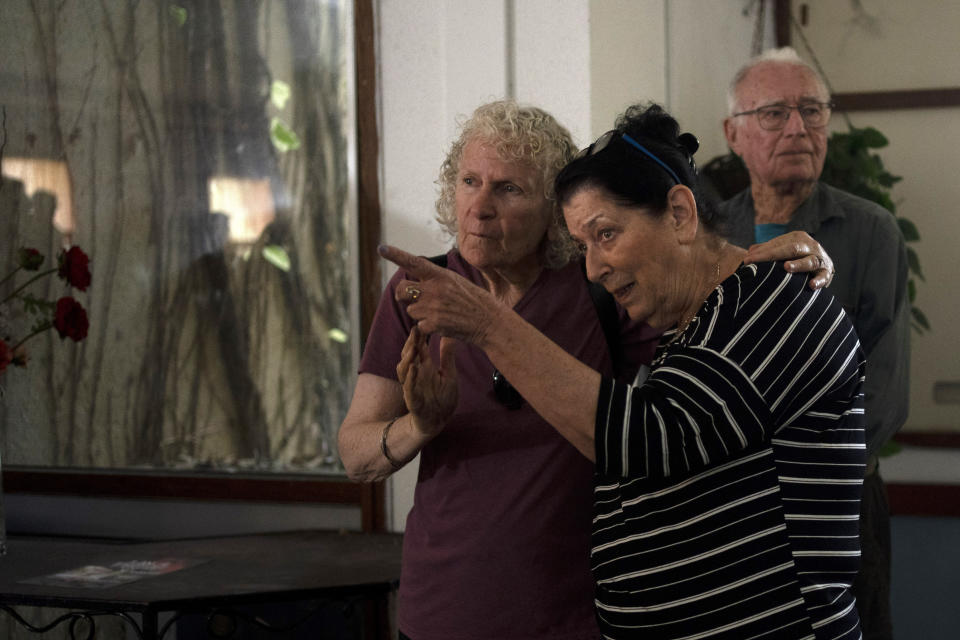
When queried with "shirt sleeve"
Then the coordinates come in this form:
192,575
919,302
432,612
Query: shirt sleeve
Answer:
696,408
389,330
771,356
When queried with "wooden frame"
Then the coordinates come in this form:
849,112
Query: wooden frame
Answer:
925,499
870,100
370,498
373,497
906,99
939,500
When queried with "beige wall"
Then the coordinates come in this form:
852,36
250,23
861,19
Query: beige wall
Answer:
628,58
909,45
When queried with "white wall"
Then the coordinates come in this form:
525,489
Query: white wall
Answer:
628,58
582,60
706,43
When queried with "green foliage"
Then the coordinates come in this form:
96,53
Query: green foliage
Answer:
852,166
338,335
179,14
889,448
279,93
36,306
282,136
277,256
908,229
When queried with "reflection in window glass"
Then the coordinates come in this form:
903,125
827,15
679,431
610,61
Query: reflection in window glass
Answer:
200,152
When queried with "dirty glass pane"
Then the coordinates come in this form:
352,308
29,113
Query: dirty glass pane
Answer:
200,153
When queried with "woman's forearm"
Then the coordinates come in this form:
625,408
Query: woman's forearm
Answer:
376,402
559,387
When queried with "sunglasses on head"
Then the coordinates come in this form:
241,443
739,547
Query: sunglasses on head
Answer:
688,141
505,393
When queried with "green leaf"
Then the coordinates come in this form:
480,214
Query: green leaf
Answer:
277,256
41,324
842,143
283,138
840,161
911,290
920,318
873,138
36,306
885,201
179,14
889,448
887,179
337,335
279,93
908,229
913,261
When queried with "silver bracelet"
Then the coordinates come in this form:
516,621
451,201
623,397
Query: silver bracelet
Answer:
386,451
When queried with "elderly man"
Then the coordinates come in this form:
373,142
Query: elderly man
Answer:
779,108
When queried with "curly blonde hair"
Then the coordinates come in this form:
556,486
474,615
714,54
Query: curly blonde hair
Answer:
522,134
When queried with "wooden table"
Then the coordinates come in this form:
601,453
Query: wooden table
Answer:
221,575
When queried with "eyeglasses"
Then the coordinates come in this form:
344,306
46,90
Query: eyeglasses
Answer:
601,143
505,393
775,116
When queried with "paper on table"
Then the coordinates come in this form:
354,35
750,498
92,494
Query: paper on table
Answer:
99,576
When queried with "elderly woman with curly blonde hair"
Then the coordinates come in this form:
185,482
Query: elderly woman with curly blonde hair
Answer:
496,545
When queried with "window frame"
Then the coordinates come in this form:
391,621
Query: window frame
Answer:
280,488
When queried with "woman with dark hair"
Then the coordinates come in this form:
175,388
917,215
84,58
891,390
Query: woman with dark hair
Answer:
727,476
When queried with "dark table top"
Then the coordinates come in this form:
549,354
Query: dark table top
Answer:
219,571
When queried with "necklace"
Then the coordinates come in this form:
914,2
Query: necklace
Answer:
685,323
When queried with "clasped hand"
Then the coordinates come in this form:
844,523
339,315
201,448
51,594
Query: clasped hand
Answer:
443,303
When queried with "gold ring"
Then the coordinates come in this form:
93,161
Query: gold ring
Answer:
413,292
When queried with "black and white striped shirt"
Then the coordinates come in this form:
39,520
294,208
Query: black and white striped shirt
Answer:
728,483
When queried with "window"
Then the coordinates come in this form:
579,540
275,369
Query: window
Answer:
202,154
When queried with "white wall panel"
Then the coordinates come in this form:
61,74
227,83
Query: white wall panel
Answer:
552,62
628,57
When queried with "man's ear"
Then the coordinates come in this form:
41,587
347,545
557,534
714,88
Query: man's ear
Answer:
682,208
730,130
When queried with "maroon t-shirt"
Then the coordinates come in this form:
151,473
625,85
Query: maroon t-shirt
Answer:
497,544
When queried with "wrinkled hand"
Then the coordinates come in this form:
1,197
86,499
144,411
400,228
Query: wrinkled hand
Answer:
802,254
430,392
442,301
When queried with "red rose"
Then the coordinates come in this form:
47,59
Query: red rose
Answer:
6,355
71,319
29,259
74,269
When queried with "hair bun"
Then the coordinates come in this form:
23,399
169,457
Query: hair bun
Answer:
689,143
